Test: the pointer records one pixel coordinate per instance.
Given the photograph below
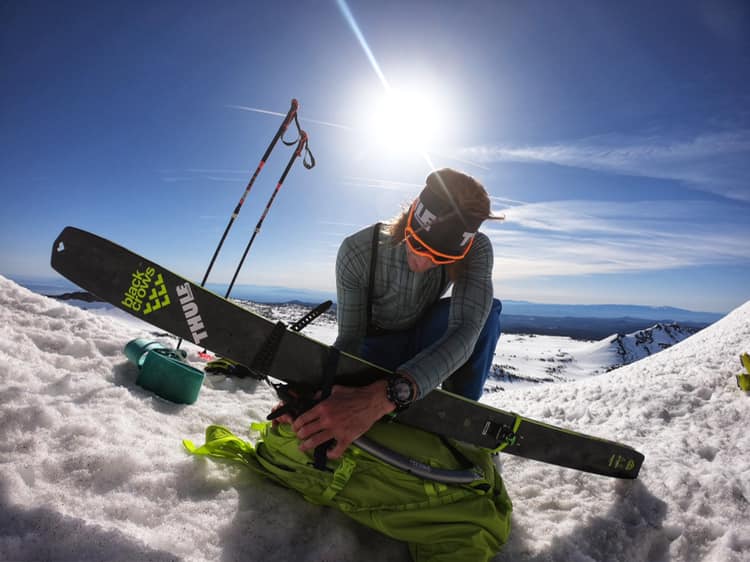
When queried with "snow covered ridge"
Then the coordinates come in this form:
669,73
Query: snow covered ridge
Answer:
640,344
531,359
92,466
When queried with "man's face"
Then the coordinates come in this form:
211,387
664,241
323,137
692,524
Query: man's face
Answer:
418,264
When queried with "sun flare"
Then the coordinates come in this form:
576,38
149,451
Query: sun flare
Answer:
405,120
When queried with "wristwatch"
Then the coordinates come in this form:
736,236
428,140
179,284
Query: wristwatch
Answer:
400,392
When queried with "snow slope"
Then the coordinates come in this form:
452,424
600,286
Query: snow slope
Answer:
530,359
633,347
92,467
683,410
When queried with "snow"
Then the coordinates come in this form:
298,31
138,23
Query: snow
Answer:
523,359
683,410
92,466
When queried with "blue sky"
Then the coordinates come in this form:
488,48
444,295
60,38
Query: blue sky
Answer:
614,136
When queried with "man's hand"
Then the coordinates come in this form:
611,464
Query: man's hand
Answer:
284,418
344,416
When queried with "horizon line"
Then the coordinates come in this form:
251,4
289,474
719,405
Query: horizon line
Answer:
20,279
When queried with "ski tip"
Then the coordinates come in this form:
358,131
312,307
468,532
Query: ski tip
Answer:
58,247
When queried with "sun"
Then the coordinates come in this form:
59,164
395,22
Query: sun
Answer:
405,120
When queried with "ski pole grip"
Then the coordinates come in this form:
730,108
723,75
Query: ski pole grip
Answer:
293,109
302,143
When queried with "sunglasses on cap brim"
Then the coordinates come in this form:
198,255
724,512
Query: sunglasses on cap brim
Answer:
419,247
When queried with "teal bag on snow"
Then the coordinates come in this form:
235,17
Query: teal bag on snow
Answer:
164,371
440,522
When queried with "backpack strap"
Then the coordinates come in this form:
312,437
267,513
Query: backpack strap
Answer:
340,478
373,264
371,284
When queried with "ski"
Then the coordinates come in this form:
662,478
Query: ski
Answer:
174,304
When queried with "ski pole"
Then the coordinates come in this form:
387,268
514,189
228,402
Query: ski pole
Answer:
301,145
291,114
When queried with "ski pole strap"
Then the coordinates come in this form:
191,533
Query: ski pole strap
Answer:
309,160
291,142
505,434
291,116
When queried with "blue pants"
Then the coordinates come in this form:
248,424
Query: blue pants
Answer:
392,349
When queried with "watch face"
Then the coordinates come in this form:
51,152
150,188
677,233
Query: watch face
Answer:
400,392
403,390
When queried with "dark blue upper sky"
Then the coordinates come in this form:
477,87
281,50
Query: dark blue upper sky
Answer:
615,136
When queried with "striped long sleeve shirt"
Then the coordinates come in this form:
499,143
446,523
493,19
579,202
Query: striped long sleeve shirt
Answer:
401,297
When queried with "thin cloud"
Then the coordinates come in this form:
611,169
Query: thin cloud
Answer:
333,223
718,163
455,156
427,154
267,112
506,201
378,183
217,179
330,235
214,171
203,174
571,238
458,158
220,179
176,179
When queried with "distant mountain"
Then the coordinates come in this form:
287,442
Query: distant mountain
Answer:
628,348
580,328
84,296
273,295
532,359
655,313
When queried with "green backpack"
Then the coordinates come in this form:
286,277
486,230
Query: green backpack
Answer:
441,522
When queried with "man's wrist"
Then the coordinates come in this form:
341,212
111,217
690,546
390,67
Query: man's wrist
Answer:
380,395
414,386
400,391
